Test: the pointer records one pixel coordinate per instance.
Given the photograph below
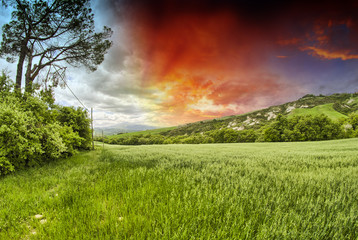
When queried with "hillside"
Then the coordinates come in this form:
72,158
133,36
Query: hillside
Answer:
145,132
335,106
326,109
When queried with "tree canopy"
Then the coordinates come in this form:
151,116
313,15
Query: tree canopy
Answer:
44,34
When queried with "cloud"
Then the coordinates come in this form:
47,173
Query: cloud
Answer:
330,54
329,36
196,52
178,61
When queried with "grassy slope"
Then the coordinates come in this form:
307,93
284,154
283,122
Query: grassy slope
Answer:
326,109
146,132
305,190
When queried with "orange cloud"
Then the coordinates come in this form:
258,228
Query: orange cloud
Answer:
328,39
193,58
281,56
330,54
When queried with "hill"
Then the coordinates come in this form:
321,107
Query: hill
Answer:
335,106
121,129
145,132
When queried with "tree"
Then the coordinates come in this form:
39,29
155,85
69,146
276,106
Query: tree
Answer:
6,84
274,132
46,33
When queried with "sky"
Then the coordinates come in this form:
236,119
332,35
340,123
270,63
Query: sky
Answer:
178,61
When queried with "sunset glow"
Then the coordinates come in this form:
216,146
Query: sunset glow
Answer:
210,59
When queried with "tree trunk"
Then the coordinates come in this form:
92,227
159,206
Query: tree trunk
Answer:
28,77
20,65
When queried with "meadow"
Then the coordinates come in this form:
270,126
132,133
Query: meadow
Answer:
326,109
305,190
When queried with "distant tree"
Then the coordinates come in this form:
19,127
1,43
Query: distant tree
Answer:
247,136
6,85
274,132
352,122
45,33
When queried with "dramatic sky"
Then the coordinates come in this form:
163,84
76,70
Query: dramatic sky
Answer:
179,61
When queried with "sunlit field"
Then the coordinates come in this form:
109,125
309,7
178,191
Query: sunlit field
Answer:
306,190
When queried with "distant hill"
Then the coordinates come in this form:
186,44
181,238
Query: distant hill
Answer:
335,106
121,129
145,132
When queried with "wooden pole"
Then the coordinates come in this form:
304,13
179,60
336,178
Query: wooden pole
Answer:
102,140
92,128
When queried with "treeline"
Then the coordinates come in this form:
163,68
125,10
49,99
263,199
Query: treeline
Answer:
282,129
34,131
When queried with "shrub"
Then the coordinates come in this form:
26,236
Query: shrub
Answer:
5,166
31,134
80,123
19,135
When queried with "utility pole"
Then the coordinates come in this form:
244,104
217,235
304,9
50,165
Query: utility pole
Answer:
102,140
92,128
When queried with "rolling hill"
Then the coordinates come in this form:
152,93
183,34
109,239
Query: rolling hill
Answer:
335,106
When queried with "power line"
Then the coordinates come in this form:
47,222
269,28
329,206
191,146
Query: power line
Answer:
74,93
43,49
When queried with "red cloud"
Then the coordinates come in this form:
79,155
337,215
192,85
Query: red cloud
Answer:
330,54
213,57
218,52
328,39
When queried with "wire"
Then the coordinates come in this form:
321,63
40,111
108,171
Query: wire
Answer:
73,93
43,49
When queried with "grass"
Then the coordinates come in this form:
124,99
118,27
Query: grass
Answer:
146,132
326,109
305,190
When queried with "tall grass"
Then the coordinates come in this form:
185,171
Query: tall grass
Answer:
220,191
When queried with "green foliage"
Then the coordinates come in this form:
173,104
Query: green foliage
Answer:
5,166
353,120
350,125
20,138
31,133
302,128
78,120
6,85
71,139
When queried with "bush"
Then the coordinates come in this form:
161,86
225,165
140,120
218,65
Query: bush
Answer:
5,166
31,134
19,135
79,122
71,140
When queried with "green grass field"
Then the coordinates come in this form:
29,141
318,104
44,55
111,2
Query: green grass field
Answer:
146,132
306,190
326,109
